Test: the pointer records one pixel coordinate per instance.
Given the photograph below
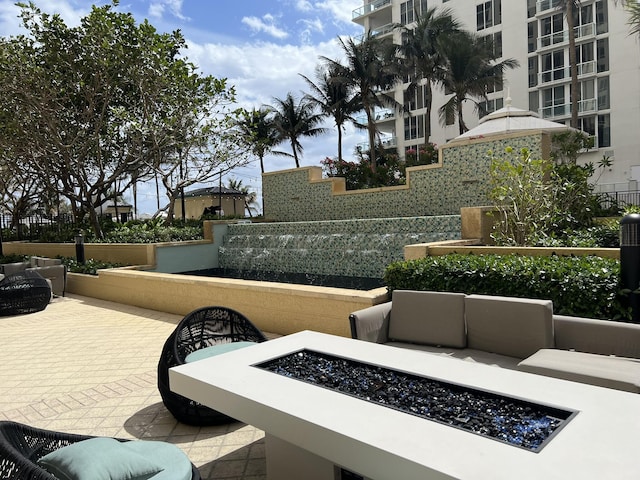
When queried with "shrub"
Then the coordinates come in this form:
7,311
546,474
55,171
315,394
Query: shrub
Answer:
581,286
90,266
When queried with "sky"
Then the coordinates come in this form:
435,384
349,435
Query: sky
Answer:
260,46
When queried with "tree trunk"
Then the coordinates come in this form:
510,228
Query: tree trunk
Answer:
339,143
372,139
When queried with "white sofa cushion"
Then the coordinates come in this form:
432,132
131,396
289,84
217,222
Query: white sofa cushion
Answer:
429,318
516,327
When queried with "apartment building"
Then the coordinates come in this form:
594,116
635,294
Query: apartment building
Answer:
535,33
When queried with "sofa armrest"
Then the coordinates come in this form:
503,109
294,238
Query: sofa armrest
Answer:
371,323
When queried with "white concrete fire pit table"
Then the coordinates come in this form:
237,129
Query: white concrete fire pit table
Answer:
313,433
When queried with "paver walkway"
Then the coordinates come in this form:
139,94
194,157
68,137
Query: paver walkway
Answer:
89,366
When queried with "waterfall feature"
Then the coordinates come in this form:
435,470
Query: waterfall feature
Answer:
353,248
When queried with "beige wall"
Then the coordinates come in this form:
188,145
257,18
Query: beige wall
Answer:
273,307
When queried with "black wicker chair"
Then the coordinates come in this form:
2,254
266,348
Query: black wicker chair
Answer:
23,292
21,446
201,328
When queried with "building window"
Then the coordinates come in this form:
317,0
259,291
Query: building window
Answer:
490,106
411,9
534,101
532,36
602,46
416,99
533,71
553,104
603,93
588,102
531,8
496,43
414,127
488,14
552,30
585,58
552,66
495,85
602,17
604,131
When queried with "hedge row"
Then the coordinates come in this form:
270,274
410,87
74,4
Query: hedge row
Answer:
581,286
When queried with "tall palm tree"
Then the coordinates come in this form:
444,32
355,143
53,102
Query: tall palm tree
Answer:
633,10
333,98
258,131
570,8
370,70
470,69
294,120
422,51
250,198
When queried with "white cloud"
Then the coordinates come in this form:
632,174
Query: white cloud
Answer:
339,9
309,28
265,24
304,6
157,9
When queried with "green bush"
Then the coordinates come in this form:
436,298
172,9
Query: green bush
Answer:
89,267
581,286
13,258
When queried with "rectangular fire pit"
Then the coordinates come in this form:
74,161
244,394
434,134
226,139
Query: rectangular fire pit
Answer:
510,420
321,434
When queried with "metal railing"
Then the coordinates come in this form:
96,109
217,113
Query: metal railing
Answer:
564,110
556,38
369,7
619,199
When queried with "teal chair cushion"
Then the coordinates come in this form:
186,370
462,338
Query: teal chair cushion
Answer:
214,350
104,458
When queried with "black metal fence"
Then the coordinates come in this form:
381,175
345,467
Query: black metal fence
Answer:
609,200
33,227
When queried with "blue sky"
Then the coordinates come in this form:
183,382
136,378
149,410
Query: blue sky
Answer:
260,46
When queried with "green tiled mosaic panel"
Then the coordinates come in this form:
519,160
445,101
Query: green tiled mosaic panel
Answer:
357,248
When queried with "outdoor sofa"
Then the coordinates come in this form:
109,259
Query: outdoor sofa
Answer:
50,268
516,333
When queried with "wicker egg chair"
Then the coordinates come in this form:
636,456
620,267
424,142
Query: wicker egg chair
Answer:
23,292
21,446
200,329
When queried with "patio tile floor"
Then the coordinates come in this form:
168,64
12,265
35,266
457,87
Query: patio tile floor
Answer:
89,366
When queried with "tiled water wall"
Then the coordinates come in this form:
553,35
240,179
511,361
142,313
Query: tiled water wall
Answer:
356,248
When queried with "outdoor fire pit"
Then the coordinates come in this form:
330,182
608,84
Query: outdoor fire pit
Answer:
516,422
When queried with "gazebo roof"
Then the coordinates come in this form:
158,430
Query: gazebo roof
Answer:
510,119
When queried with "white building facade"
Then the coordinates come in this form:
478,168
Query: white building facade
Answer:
535,33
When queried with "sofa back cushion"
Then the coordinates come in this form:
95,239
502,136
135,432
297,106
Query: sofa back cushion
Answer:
517,327
605,337
428,318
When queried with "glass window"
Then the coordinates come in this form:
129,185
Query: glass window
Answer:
603,93
406,12
488,14
604,131
602,17
552,66
533,71
552,30
534,101
531,8
414,127
532,36
602,47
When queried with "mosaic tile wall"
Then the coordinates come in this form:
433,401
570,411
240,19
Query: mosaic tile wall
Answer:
356,248
462,180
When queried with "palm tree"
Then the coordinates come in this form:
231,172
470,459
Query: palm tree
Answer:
294,120
333,97
470,69
250,198
257,130
569,8
422,50
633,10
370,70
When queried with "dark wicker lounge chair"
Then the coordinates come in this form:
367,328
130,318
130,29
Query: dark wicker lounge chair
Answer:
23,292
201,328
21,446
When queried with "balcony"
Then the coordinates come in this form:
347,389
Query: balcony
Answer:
544,5
378,31
386,115
367,8
386,142
590,105
558,74
557,38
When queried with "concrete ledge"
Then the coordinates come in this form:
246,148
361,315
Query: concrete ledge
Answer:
274,307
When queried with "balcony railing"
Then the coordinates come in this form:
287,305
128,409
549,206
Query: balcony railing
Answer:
543,5
378,32
556,38
585,68
369,7
386,142
564,110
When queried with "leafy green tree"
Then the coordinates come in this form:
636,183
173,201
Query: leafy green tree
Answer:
471,67
258,131
371,68
523,197
294,120
422,50
94,106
